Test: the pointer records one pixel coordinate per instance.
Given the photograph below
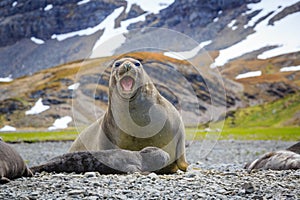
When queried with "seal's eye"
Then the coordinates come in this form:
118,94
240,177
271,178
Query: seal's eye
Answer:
137,64
117,64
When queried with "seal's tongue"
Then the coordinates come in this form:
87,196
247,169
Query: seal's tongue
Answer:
127,83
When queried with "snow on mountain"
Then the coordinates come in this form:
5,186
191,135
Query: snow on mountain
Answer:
7,128
105,24
112,37
248,75
48,7
231,25
290,68
187,54
6,79
283,33
153,6
14,4
60,123
37,41
74,86
108,25
37,108
82,2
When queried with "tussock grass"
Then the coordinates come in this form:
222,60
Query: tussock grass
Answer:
257,133
39,136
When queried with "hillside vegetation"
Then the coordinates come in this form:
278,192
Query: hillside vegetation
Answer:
280,113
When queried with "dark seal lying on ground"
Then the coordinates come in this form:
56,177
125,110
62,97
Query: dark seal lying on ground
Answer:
278,160
115,161
137,117
11,164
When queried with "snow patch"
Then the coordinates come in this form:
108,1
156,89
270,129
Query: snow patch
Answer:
37,41
290,68
231,25
248,75
7,128
152,6
14,4
48,7
6,79
61,123
83,2
266,35
265,7
107,49
74,86
109,20
37,108
184,55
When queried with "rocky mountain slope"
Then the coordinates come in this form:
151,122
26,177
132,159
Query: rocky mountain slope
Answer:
56,88
256,69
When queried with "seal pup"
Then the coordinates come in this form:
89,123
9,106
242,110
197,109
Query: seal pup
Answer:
137,116
277,160
122,161
11,164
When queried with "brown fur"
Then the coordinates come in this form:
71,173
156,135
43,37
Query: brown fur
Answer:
136,119
114,161
11,164
277,160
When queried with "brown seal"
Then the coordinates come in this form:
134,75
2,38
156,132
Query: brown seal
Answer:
11,164
114,161
278,160
137,117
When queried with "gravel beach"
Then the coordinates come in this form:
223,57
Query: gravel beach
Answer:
218,176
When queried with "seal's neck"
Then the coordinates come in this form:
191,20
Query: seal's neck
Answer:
136,108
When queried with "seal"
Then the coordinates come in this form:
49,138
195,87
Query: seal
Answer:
278,160
12,165
137,117
122,161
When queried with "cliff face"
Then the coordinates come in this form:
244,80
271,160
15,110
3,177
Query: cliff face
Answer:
41,19
23,21
195,18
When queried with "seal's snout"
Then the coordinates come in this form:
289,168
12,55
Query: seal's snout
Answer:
127,66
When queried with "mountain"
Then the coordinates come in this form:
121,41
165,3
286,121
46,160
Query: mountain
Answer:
242,50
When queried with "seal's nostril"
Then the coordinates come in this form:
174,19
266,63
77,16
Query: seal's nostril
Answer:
127,66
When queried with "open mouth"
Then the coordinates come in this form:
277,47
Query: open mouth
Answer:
127,83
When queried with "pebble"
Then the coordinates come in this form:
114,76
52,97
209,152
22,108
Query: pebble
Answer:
75,192
90,174
220,177
153,176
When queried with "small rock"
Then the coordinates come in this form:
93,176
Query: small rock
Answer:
75,192
221,191
90,174
77,176
58,175
153,176
249,188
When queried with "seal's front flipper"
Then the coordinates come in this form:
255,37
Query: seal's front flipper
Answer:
182,164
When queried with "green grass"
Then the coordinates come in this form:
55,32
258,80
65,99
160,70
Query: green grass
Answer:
39,136
257,133
273,114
